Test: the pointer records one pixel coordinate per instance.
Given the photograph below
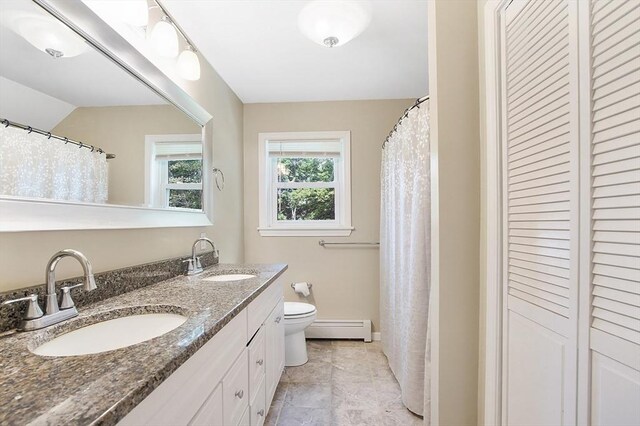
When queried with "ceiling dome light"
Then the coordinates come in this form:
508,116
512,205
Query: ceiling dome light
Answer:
189,65
50,36
334,23
133,12
164,39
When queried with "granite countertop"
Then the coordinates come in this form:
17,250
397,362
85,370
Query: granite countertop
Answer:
103,388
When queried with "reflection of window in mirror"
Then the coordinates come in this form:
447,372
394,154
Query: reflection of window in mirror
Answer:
173,171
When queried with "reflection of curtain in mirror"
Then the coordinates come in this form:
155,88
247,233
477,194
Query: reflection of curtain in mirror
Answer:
405,258
33,166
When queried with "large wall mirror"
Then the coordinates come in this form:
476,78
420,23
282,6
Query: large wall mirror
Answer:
82,129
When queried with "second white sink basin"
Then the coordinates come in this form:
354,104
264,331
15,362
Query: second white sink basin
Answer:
228,277
112,334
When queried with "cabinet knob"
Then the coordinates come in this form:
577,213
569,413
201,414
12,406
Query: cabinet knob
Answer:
240,393
261,412
260,362
277,320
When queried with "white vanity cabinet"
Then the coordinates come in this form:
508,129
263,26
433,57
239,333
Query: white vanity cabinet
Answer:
231,380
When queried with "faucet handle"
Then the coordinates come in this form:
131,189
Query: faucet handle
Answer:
66,301
190,265
33,309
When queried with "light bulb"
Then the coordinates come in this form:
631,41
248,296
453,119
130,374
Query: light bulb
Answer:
189,65
334,23
164,39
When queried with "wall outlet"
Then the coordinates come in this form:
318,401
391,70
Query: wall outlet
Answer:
203,244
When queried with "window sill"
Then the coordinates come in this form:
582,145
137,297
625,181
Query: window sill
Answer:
306,232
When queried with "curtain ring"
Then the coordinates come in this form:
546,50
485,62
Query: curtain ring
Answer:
6,123
66,140
48,135
29,129
93,148
218,173
81,145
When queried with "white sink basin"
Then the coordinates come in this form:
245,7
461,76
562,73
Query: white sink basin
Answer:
229,277
112,334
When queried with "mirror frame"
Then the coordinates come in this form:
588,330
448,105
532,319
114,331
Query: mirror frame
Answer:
23,214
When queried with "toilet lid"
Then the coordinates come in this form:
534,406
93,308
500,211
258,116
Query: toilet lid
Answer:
297,309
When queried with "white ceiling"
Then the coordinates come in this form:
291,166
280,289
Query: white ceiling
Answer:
257,48
89,79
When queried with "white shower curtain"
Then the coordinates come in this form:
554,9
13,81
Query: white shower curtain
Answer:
405,257
35,167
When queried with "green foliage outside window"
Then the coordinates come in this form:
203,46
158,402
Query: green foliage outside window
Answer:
185,198
185,172
306,203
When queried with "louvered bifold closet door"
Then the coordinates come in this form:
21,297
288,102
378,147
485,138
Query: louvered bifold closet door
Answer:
615,210
540,178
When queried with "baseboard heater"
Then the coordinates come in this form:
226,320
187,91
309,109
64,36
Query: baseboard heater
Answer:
339,329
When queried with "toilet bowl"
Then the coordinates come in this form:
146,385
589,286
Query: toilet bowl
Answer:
297,317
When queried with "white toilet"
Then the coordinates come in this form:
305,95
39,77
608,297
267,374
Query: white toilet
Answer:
297,317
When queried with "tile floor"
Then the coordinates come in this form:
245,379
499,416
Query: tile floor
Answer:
345,382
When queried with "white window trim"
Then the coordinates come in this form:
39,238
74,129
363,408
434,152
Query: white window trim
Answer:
269,227
152,173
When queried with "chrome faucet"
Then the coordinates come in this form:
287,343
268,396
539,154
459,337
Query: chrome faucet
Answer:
195,267
34,318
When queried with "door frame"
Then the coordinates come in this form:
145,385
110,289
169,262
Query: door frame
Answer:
493,272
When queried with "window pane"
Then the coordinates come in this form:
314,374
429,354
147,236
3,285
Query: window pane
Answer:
185,198
307,204
185,171
305,169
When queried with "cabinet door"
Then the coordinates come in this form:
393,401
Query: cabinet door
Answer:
211,412
541,205
274,328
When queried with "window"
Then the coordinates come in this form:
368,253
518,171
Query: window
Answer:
174,171
305,187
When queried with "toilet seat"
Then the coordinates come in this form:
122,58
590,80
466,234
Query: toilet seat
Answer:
298,310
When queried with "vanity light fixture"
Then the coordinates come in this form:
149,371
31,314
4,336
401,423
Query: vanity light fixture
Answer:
334,23
164,38
189,64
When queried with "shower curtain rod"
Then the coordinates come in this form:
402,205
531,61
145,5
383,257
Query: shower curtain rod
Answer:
49,135
404,115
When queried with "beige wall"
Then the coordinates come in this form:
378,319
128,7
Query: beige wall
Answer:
345,280
121,130
483,218
453,83
23,256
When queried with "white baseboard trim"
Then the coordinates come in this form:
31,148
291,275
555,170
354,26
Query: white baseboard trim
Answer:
340,329
376,336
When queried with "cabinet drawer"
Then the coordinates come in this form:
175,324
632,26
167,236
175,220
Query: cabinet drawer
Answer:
259,309
258,406
235,390
211,412
257,363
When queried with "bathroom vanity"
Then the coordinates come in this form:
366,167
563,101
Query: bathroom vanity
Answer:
221,366
231,379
